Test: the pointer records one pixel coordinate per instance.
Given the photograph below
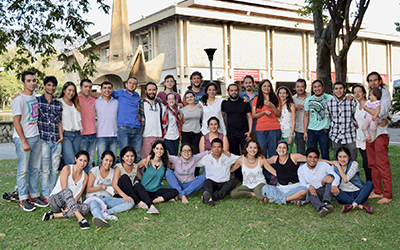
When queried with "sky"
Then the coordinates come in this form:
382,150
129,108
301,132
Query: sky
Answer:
380,16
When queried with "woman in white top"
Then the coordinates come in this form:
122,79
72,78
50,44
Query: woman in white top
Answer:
252,164
100,186
172,124
212,108
288,115
65,199
71,122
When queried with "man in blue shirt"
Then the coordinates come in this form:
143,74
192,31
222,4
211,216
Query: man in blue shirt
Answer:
249,93
51,135
129,132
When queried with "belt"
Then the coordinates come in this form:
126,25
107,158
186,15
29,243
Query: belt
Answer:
72,130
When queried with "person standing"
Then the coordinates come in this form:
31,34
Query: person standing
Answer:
129,132
316,124
106,108
51,135
249,93
238,129
288,115
172,125
299,100
212,108
150,116
343,128
170,87
196,79
27,143
88,142
377,151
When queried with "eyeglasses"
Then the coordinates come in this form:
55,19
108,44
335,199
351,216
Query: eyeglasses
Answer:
186,150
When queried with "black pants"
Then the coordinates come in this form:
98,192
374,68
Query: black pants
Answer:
367,170
236,144
136,192
219,190
323,193
166,193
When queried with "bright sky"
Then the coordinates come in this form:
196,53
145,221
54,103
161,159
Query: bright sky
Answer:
380,15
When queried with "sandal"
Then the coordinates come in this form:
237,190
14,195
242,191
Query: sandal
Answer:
297,203
266,200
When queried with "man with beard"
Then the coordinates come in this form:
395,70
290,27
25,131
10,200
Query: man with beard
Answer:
343,128
197,79
238,128
299,100
249,93
150,116
316,124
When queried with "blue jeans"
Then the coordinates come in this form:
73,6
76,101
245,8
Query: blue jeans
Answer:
28,165
268,140
358,197
51,153
88,144
132,137
172,146
106,143
70,146
320,137
114,205
191,187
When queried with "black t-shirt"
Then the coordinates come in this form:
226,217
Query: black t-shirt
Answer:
237,116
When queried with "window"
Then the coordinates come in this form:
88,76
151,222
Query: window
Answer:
145,41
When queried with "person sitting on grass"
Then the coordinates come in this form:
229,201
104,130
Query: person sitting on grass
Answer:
100,186
288,188
217,166
352,190
321,181
153,173
252,164
182,177
127,186
65,199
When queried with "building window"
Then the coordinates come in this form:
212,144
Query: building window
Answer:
145,41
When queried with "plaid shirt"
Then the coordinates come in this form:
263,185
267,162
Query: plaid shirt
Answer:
343,126
50,114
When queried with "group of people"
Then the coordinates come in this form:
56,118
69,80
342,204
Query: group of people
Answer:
256,145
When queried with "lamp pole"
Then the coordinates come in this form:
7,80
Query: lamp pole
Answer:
210,53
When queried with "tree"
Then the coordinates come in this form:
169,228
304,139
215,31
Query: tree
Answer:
343,24
35,27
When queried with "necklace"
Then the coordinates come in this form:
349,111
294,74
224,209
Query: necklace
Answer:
255,159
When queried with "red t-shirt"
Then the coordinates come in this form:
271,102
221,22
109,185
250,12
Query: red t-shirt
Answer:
266,122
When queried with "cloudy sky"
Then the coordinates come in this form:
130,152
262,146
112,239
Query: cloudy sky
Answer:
380,15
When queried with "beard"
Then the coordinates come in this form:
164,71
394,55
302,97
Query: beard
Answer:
151,96
233,96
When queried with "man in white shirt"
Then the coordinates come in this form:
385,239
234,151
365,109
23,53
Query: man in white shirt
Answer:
217,167
321,181
299,100
150,117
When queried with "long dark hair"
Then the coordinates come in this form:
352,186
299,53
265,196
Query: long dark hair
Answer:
259,150
272,97
75,98
82,152
204,98
343,149
289,98
126,150
164,157
110,153
174,87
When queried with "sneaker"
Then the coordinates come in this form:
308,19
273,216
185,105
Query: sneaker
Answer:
84,224
323,212
347,208
206,198
143,206
46,200
39,202
99,222
48,216
328,205
153,210
27,205
367,208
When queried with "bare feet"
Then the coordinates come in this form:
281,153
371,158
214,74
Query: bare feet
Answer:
375,196
184,199
253,194
384,201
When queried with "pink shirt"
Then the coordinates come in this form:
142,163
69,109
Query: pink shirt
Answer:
88,115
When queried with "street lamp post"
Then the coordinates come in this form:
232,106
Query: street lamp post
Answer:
210,53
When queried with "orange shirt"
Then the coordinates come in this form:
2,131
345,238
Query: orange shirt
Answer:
266,122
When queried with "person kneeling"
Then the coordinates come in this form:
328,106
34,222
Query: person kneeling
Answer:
217,165
321,181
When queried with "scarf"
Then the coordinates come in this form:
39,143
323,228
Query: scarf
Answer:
165,120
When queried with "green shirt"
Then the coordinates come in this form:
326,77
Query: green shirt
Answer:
151,178
316,106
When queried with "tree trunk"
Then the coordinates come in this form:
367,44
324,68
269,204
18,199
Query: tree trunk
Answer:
341,68
324,65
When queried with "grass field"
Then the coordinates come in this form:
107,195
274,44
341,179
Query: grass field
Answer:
231,224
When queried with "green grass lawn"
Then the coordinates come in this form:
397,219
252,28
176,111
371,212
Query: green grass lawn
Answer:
231,224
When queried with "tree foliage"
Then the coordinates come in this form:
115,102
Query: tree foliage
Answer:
42,28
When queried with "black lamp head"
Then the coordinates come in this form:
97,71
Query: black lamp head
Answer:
210,53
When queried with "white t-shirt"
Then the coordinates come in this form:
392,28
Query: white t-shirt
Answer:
28,108
172,132
71,118
213,110
153,125
217,170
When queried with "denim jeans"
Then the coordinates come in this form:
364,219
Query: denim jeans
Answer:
172,146
28,166
132,137
114,205
320,137
106,143
88,143
359,197
70,146
191,187
51,153
300,143
268,140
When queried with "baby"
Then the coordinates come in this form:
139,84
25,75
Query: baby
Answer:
372,108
